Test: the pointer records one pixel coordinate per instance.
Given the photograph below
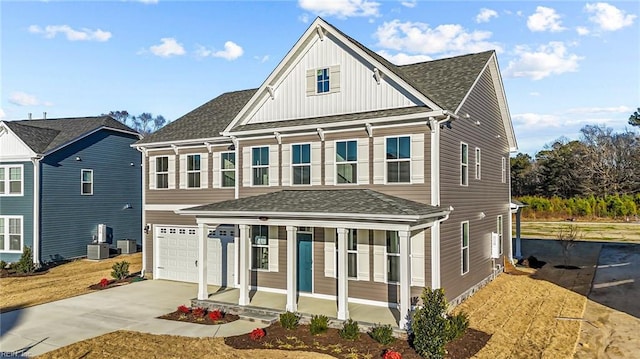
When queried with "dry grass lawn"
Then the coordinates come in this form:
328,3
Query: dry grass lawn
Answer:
64,281
604,232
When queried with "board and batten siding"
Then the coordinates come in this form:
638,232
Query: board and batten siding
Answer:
20,206
488,196
69,219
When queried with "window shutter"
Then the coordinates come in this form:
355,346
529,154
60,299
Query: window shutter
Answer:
378,160
183,171
417,158
274,164
316,163
329,163
417,260
204,170
286,165
363,161
273,248
334,78
330,252
379,260
215,170
152,172
363,254
311,82
171,163
246,166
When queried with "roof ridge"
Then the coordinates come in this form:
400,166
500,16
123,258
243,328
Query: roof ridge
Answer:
445,58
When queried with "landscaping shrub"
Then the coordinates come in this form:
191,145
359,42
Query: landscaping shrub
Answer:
25,264
319,324
215,315
429,325
199,312
184,309
289,320
383,334
120,270
104,282
391,354
350,330
3,264
257,334
456,325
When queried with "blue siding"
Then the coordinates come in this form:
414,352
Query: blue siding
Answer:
20,206
69,220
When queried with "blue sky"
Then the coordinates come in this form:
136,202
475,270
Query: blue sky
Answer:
564,64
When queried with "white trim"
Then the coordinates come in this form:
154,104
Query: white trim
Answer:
221,170
7,239
504,170
463,164
478,164
462,223
187,171
373,303
82,182
7,180
409,160
253,220
143,235
500,225
252,166
170,207
279,215
35,245
195,143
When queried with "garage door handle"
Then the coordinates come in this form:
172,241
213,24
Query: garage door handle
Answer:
160,267
196,262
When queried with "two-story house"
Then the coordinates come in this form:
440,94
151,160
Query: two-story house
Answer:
341,177
60,179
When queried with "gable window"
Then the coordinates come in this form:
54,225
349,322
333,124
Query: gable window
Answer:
228,169
162,172
260,165
260,247
398,159
499,230
504,170
11,180
11,233
346,162
301,163
322,80
477,163
464,164
193,171
464,245
86,182
393,256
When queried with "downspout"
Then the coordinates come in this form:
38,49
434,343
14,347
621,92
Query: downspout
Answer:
236,149
144,228
36,210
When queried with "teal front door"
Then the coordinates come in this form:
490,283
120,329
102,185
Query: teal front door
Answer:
305,261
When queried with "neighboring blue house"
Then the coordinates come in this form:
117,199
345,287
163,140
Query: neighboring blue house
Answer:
60,179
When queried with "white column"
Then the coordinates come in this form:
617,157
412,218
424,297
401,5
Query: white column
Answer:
343,289
405,286
245,264
518,242
202,262
435,255
292,262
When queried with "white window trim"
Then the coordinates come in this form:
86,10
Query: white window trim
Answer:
504,170
464,165
82,182
253,245
388,254
386,161
7,181
499,229
462,248
259,166
161,173
188,172
292,165
223,170
478,163
6,234
352,251
336,163
328,80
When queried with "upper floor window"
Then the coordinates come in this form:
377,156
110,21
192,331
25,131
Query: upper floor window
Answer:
346,162
228,169
260,165
393,256
504,170
464,164
11,233
477,163
322,80
301,163
86,182
162,172
398,159
193,171
260,247
464,245
11,180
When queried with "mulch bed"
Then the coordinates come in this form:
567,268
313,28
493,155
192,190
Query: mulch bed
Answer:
116,283
4,273
332,344
191,318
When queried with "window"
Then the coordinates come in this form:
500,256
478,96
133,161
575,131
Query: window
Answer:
11,180
464,164
464,237
260,247
499,230
86,185
399,159
477,163
11,233
346,162
301,163
193,171
393,256
260,165
228,169
352,253
162,172
504,170
322,80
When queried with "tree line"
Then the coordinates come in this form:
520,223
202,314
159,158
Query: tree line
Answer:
145,123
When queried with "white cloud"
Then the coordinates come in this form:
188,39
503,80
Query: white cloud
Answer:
169,47
24,99
608,17
262,59
404,59
304,18
582,31
546,60
600,110
534,93
485,15
2,114
409,3
341,8
419,38
545,19
231,51
148,1
84,34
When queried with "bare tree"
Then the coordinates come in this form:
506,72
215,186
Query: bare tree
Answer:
567,237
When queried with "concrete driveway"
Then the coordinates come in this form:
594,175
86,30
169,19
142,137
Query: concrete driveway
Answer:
39,329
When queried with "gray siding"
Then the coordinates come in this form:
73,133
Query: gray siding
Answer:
20,206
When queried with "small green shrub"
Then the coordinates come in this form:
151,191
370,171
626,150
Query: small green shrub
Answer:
289,320
350,330
120,270
456,325
3,264
25,264
319,324
383,334
429,325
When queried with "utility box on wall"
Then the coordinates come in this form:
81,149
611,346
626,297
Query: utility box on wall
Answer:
495,245
127,246
98,251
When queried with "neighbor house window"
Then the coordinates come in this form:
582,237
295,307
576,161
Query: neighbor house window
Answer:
477,163
260,165
301,163
11,233
464,239
393,256
322,80
11,180
228,169
398,159
499,230
193,171
162,172
260,247
86,182
352,253
504,170
464,164
346,161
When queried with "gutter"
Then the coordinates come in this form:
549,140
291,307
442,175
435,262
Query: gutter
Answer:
36,210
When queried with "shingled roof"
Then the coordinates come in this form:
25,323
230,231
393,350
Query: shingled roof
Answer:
43,136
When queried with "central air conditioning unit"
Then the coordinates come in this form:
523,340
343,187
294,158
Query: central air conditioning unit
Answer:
102,233
495,245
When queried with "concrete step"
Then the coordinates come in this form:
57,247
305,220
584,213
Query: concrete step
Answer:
259,317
